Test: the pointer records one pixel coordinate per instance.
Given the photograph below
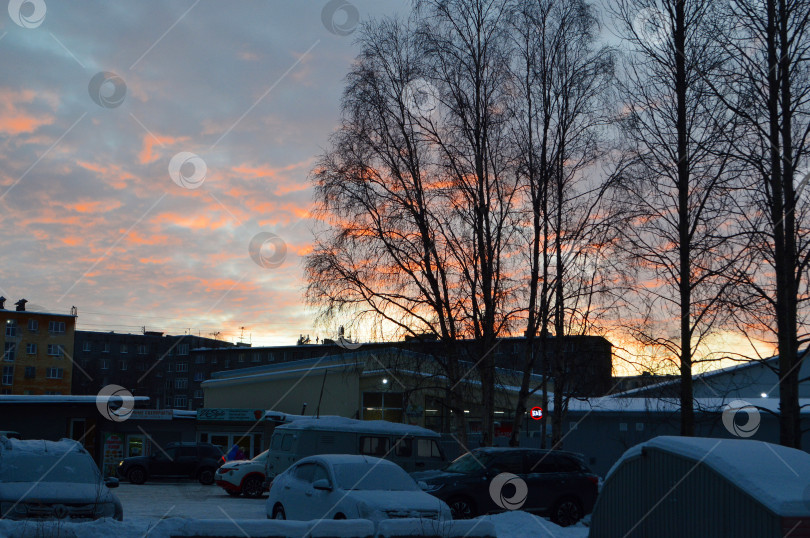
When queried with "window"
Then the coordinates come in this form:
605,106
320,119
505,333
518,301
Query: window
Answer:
404,448
31,348
5,391
639,426
199,376
305,471
182,367
11,327
319,474
167,401
182,349
213,360
53,393
86,346
123,365
124,348
106,348
56,327
142,350
622,426
374,446
54,350
271,356
544,462
181,383
241,357
509,463
33,326
198,394
199,359
9,351
30,372
286,442
140,367
169,367
54,373
180,401
168,383
257,357
105,364
8,375
427,448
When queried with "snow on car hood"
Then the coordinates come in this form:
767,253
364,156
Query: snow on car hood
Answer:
55,492
239,463
399,501
436,477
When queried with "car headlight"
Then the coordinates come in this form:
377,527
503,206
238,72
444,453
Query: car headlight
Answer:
430,488
121,463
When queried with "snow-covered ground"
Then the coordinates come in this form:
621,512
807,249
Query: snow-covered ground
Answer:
157,509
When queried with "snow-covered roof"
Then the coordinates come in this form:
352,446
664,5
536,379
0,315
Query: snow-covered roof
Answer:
773,474
56,398
341,424
39,446
340,459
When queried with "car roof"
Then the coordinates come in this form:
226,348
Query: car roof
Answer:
41,447
339,459
506,449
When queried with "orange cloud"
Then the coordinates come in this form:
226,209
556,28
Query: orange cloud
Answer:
146,155
14,119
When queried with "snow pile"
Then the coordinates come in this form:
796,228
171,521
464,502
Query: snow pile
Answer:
475,528
772,474
518,524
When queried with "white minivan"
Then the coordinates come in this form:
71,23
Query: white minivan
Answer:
411,447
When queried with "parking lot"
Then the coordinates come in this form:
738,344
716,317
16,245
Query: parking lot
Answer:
156,500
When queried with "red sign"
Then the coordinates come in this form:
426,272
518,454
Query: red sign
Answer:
536,413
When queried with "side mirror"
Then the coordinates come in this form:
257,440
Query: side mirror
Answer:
111,482
322,484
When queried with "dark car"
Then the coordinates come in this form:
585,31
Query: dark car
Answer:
553,483
176,460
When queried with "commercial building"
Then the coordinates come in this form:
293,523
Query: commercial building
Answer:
37,350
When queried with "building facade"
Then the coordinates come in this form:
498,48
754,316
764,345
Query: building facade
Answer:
37,351
152,364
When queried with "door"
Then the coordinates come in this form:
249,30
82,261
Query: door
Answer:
511,491
186,460
162,462
297,494
320,503
546,478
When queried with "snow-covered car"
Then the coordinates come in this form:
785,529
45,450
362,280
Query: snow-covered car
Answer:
243,476
342,486
53,480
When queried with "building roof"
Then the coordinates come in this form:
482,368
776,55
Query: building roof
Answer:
341,424
57,398
705,375
22,312
767,472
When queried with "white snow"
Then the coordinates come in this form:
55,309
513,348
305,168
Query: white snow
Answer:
773,474
38,446
342,424
518,524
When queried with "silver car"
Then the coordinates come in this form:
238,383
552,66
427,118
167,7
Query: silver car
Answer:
53,480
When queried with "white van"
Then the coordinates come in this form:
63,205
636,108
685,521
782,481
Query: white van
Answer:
411,447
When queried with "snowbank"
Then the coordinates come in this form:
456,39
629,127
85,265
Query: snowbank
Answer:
519,524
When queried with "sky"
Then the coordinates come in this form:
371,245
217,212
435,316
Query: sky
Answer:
154,158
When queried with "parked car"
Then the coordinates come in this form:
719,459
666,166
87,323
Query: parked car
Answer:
558,484
243,476
10,434
411,447
53,480
175,460
341,486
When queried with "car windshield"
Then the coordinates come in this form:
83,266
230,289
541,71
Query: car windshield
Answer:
363,476
469,463
75,468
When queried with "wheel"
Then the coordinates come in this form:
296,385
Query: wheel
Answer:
462,508
252,487
206,477
340,516
566,512
233,493
278,512
137,475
